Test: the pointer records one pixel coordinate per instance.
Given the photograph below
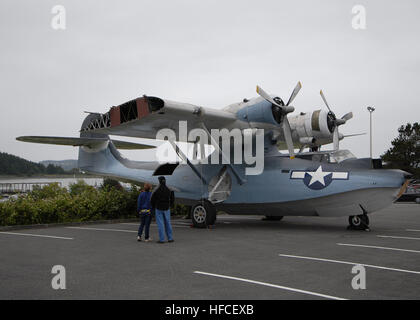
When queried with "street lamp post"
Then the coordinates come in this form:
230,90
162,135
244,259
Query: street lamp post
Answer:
370,109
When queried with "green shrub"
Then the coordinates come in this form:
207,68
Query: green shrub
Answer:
109,183
49,191
80,187
181,210
54,204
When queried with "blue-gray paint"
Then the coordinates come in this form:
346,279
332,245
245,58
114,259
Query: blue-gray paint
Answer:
270,189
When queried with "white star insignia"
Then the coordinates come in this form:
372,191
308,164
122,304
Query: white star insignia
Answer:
318,175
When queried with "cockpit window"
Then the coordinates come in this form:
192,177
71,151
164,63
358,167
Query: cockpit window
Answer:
329,157
341,155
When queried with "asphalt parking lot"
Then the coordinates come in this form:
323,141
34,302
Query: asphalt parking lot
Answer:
243,257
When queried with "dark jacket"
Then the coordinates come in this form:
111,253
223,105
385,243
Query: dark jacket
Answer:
162,198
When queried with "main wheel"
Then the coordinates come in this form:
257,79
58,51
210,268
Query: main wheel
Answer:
360,221
203,214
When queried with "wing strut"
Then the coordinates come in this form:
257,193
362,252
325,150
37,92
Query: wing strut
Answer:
184,157
216,145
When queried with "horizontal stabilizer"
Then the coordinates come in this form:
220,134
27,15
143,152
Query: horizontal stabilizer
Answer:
83,141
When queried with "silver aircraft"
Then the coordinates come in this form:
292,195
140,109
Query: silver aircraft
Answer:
315,183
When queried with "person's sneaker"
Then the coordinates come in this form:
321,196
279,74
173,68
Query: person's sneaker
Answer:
160,241
138,238
148,240
171,240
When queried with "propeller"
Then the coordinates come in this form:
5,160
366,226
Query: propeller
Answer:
280,111
333,122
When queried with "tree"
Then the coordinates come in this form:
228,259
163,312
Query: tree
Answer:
52,169
405,151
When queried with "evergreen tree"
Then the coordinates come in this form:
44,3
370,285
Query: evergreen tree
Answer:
12,165
405,151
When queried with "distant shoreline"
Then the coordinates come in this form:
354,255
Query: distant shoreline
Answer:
50,176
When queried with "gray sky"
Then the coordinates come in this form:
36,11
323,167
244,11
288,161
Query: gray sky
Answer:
210,53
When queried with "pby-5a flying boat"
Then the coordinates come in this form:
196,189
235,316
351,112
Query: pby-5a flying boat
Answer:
315,183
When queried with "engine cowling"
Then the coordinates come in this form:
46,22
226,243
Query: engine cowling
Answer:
263,112
312,128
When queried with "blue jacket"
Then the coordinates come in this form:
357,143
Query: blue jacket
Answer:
143,201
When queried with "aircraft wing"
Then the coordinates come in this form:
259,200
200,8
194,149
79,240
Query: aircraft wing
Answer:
83,141
144,117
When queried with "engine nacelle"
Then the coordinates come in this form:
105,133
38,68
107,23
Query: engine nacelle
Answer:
307,140
312,128
263,112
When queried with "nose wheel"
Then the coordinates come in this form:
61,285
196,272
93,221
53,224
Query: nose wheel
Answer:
359,222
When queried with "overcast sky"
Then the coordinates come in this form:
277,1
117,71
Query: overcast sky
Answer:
210,53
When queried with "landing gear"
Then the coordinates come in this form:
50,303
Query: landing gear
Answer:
359,222
203,214
272,218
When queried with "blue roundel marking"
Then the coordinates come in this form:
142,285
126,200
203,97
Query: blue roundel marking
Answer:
317,185
317,179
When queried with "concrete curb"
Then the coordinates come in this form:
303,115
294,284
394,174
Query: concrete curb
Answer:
65,224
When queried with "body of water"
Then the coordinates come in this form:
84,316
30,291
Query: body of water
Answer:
65,182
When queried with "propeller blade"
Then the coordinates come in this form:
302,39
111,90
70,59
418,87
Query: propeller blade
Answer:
325,100
267,97
294,93
336,139
347,116
339,122
288,137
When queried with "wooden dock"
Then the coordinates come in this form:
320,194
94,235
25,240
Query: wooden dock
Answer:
22,187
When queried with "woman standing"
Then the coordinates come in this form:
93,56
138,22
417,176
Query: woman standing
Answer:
144,208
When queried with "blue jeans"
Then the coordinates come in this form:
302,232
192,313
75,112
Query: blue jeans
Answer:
145,220
163,220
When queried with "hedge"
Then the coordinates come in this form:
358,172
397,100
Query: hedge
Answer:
54,204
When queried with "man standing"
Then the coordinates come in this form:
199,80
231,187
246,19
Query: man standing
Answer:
162,199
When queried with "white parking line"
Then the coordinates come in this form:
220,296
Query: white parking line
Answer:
412,230
395,237
154,224
350,263
36,235
100,229
376,247
270,285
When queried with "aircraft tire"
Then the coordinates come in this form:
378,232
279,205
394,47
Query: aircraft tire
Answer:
203,214
359,222
272,218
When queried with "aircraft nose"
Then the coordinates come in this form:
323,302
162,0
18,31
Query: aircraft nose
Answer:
405,178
